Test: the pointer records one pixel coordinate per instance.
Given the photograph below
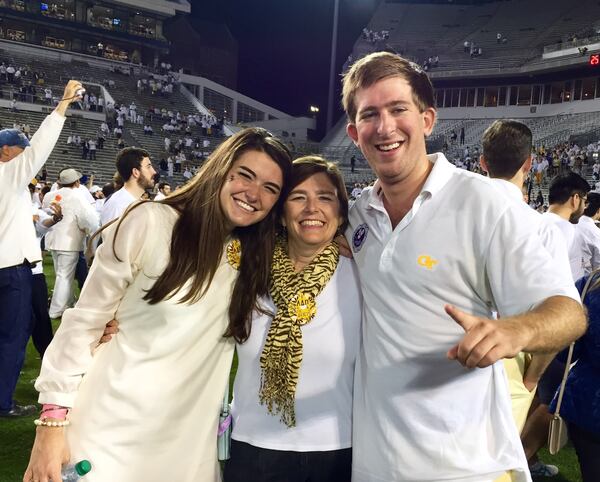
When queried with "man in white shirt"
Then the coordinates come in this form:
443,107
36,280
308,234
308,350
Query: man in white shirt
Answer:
507,160
20,160
135,168
425,235
65,240
567,195
587,234
164,189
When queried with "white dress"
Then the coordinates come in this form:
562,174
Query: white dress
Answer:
145,405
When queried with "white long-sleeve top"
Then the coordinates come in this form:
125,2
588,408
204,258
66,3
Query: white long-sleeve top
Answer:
17,234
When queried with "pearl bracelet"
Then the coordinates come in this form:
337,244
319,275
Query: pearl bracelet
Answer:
48,423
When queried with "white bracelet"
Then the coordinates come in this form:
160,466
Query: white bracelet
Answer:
47,423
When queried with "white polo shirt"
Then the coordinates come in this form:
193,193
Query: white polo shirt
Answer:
550,235
587,238
417,415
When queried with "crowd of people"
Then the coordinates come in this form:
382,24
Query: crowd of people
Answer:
370,346
375,37
22,84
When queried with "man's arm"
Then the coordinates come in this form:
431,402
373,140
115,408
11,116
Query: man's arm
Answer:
536,369
26,165
549,327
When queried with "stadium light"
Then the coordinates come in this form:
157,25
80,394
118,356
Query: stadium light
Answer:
314,109
336,11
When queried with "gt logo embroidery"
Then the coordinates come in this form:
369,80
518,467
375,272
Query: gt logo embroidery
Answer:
426,261
359,237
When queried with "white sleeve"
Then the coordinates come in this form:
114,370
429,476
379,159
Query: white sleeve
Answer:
25,166
87,218
595,249
69,355
40,229
520,270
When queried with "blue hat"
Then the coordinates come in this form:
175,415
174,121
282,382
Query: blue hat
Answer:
13,137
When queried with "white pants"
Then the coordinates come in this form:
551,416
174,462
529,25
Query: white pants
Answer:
65,263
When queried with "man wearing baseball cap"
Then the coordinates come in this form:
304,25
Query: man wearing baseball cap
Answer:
20,160
66,239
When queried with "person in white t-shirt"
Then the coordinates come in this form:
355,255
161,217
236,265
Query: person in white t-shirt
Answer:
567,196
507,160
164,189
292,403
587,234
436,252
135,168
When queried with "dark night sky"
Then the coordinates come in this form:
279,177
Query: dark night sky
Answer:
284,47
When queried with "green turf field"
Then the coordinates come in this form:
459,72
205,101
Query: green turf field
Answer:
16,436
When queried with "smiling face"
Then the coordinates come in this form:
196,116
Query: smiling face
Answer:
251,189
312,214
390,129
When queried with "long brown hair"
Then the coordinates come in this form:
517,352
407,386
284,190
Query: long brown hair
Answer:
200,233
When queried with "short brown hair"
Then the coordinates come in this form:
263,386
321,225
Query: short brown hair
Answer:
383,65
307,166
128,159
506,146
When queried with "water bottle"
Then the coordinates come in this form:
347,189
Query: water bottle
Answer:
71,473
55,202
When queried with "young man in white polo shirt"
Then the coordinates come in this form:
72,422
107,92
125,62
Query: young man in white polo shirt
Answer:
567,196
434,244
507,159
136,169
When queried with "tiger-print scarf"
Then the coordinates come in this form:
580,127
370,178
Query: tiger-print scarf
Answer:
295,296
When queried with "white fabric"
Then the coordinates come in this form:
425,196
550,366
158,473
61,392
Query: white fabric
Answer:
85,194
116,205
65,263
18,241
568,231
324,392
145,405
79,220
587,237
159,196
99,205
417,415
40,231
550,235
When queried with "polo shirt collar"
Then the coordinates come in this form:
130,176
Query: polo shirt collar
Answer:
438,177
509,188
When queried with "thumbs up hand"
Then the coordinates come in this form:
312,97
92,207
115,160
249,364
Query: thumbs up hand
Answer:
486,341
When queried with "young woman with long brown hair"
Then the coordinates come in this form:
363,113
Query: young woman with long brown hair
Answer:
145,406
